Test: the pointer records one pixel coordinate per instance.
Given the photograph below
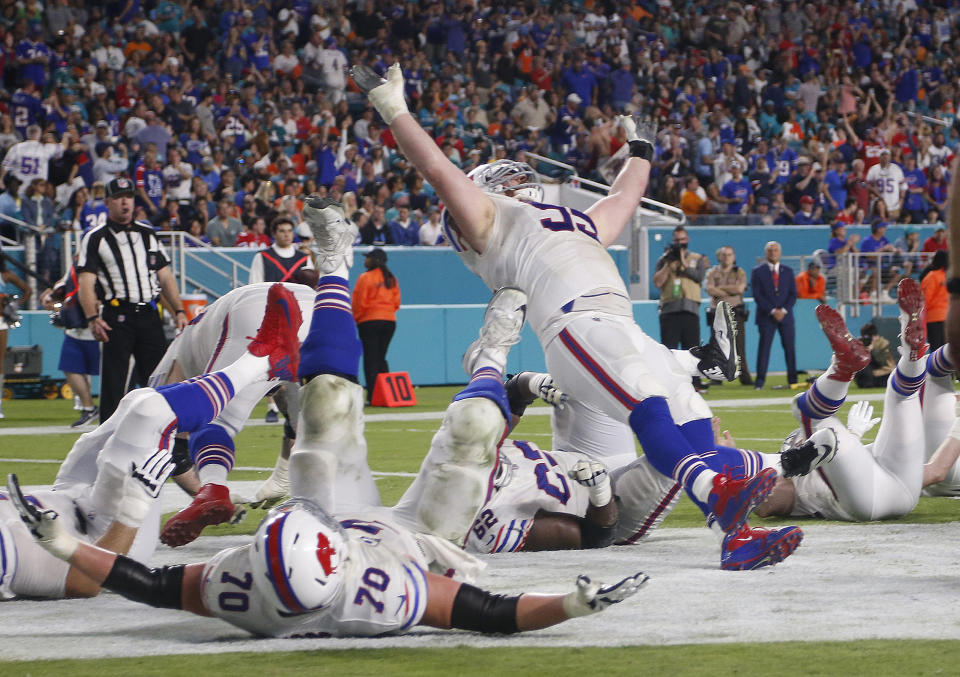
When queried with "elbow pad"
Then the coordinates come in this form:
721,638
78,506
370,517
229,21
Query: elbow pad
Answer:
482,611
161,588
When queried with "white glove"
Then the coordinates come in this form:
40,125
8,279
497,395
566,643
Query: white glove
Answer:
143,487
45,525
629,126
543,386
590,598
859,420
593,475
386,95
638,129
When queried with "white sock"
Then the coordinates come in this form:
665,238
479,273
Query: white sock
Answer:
245,370
910,368
831,388
212,473
703,485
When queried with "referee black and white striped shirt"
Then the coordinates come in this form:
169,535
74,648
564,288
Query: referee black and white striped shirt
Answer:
124,259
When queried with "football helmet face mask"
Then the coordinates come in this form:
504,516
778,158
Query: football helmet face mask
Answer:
508,176
300,550
794,439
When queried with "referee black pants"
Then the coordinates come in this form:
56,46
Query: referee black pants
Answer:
137,334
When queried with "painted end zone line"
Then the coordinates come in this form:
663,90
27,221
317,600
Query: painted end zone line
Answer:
239,467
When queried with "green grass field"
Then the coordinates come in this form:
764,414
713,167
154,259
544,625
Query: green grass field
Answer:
398,446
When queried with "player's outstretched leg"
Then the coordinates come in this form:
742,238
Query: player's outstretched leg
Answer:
752,548
272,353
718,358
829,391
456,477
910,374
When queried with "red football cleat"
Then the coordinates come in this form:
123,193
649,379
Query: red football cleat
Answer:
732,501
849,353
277,337
210,506
914,334
749,548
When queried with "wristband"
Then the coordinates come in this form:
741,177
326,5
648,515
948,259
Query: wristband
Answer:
92,318
953,286
642,149
177,312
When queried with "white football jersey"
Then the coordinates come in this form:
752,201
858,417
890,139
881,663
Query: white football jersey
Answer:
384,587
29,160
888,183
220,334
815,498
551,252
534,480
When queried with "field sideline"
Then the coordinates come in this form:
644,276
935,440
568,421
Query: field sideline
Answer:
853,583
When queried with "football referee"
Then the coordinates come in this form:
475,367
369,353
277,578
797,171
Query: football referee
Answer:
124,261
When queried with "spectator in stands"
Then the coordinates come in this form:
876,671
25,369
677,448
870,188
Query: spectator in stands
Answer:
224,230
840,243
404,229
882,266
802,182
737,193
693,199
375,231
807,214
431,231
256,236
811,284
908,250
937,241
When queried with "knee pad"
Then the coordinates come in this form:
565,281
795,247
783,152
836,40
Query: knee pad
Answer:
471,432
452,496
331,409
212,444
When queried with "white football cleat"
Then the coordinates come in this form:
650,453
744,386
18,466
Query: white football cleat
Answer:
333,233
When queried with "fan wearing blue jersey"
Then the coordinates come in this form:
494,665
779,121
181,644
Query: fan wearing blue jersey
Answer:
26,108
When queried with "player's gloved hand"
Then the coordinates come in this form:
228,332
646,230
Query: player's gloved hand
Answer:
593,475
543,386
143,487
629,124
591,598
860,419
45,525
386,95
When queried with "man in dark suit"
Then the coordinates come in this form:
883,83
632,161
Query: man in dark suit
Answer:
775,292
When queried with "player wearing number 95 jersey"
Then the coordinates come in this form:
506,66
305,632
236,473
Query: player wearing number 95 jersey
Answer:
578,304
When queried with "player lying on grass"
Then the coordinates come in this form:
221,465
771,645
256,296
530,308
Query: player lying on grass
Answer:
578,304
307,575
834,475
219,334
106,488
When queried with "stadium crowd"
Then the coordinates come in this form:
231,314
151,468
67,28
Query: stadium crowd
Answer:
776,113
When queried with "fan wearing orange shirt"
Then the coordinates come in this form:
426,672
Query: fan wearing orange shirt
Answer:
811,284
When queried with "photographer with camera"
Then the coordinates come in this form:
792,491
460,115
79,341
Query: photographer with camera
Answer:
882,364
678,275
726,281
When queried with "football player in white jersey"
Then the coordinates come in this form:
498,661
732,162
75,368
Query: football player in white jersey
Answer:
578,305
834,475
106,488
307,575
30,159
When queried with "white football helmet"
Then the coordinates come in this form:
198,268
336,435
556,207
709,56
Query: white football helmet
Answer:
300,550
501,176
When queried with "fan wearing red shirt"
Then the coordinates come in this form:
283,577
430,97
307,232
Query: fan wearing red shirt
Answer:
256,237
937,241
